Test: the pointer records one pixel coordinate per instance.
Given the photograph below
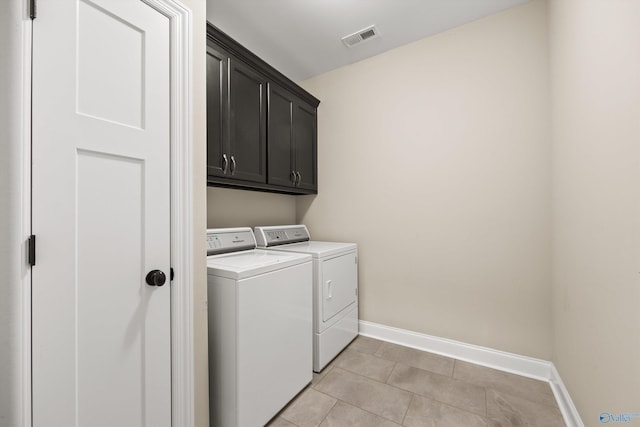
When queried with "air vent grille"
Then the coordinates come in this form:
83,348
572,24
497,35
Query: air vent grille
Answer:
365,34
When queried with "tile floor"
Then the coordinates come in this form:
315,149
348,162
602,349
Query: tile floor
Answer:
378,384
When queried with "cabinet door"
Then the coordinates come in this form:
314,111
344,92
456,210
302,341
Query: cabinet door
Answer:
217,145
280,137
306,146
247,122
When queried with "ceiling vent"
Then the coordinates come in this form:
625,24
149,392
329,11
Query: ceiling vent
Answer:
365,34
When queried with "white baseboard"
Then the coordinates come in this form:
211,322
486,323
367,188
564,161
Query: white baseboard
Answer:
513,363
568,409
542,370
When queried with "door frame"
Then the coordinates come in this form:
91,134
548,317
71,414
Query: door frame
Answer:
182,344
182,211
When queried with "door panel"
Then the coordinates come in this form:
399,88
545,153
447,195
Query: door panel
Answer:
107,89
280,129
305,145
339,282
97,312
247,90
217,145
101,335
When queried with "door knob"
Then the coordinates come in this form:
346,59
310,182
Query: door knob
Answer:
156,278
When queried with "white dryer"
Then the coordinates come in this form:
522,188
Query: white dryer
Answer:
260,322
335,286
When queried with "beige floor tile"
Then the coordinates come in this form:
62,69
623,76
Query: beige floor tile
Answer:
345,415
365,364
309,408
513,411
318,376
460,394
365,344
416,358
372,396
351,391
280,422
516,385
425,412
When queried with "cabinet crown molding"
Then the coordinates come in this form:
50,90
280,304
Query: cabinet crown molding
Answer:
218,36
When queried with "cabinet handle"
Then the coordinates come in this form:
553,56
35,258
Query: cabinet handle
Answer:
299,177
293,178
233,165
225,164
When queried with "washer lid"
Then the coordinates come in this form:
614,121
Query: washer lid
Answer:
240,265
317,249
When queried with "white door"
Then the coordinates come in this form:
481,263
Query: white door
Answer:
101,335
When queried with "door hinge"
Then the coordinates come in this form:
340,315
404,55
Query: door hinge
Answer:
31,245
171,274
32,9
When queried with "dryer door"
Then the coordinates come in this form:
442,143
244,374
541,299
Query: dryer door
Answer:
339,279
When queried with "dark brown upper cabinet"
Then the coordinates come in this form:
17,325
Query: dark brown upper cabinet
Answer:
292,157
236,119
305,138
247,123
261,127
217,111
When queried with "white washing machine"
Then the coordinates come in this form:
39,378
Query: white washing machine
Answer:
335,286
260,322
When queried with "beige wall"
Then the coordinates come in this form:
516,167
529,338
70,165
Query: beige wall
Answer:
241,208
445,140
449,138
595,70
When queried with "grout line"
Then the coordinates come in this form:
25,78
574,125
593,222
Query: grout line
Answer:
434,398
517,395
453,359
457,408
365,376
378,382
330,367
520,392
431,397
375,381
480,384
324,375
414,395
369,412
404,417
283,410
325,394
486,402
331,409
390,373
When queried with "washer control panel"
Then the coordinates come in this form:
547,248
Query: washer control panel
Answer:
222,240
279,235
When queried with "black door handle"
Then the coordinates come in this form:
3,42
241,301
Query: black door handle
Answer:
156,278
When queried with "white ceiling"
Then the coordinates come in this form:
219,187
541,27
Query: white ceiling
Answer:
302,38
